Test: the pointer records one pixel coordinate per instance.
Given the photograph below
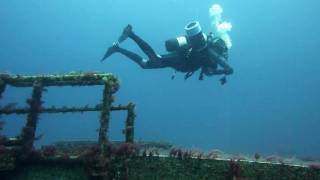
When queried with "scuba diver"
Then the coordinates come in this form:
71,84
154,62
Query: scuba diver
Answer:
187,54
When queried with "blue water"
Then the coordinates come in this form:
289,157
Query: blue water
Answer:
270,104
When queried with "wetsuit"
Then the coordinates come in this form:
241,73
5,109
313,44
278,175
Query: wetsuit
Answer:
208,59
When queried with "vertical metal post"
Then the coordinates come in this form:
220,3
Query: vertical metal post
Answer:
2,87
129,131
28,132
105,117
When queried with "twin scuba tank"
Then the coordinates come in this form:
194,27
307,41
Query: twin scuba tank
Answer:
195,39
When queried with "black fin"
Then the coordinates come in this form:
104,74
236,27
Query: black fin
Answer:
125,33
110,51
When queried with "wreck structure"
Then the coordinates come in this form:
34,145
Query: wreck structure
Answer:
104,159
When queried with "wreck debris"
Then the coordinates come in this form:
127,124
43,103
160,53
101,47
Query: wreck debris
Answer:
105,117
71,79
28,132
23,144
129,130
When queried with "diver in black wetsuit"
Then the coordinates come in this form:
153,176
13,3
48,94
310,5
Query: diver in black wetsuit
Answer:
187,53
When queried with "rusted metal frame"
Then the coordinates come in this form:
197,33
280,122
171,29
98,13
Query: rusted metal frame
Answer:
76,79
105,117
12,142
7,141
129,129
28,132
8,111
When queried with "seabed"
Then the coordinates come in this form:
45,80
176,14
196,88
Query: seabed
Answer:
128,160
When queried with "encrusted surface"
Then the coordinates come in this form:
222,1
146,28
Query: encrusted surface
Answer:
145,167
70,79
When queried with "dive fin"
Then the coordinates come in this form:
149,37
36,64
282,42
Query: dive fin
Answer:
125,33
110,51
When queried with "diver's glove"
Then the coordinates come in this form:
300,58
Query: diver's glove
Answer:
223,80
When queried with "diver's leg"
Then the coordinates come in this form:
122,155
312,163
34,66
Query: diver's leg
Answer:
115,48
144,46
143,63
112,49
134,57
172,60
156,63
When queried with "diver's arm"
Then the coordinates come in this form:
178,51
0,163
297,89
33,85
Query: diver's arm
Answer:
220,60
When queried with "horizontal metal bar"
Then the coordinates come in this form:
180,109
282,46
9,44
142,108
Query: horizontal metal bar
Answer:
60,110
12,142
71,79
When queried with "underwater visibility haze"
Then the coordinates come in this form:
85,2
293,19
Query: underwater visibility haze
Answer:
270,104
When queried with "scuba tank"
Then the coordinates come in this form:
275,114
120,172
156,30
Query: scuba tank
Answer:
177,44
194,39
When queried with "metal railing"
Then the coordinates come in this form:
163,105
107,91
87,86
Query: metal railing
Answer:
40,82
